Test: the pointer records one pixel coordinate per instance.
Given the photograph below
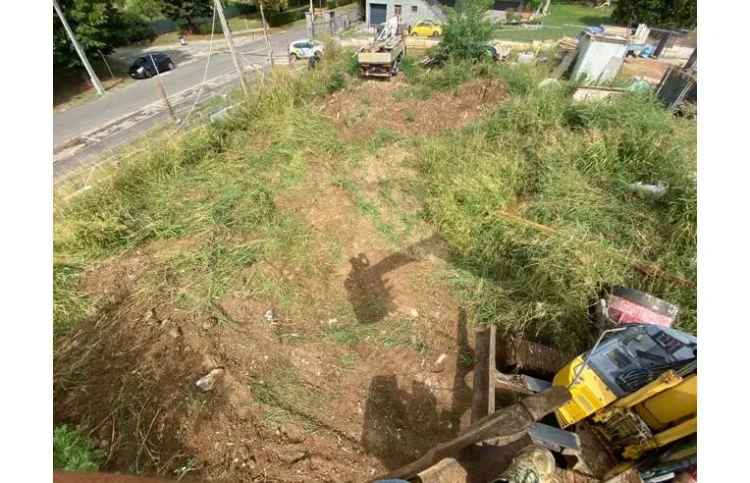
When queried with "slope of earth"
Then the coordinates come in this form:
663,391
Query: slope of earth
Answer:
338,349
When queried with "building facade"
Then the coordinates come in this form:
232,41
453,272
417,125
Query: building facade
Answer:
412,11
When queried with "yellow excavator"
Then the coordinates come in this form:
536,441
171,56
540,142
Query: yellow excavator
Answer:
635,391
638,387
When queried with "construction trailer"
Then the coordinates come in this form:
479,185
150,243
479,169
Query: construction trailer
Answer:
382,57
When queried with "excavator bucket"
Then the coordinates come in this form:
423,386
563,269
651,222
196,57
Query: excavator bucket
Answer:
503,427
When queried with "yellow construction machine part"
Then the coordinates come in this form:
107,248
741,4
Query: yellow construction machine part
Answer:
589,393
664,382
673,404
686,428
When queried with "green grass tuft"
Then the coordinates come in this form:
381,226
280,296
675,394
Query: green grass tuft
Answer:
73,451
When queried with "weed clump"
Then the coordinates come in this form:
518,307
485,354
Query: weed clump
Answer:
72,451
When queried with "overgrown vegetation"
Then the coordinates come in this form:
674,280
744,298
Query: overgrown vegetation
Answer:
73,451
532,200
206,187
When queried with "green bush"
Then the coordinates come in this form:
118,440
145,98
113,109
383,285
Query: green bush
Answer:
284,17
467,32
657,13
72,451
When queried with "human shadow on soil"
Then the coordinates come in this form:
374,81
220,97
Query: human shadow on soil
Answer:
366,286
401,424
128,382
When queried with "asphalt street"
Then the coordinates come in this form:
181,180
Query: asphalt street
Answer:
93,127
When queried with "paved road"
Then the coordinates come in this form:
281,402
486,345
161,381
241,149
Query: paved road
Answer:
120,116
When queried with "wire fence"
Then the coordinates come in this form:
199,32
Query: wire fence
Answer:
332,22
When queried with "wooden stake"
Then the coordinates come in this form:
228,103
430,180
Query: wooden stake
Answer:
483,394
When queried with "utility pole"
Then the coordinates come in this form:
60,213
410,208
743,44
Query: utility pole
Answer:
81,53
265,33
163,91
312,21
230,43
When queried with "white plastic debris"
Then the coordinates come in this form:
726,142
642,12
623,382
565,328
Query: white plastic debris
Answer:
526,57
656,190
207,382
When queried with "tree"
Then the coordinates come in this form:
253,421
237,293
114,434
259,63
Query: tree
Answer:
467,31
144,8
187,10
99,26
658,13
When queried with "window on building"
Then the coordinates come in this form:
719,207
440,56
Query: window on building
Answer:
398,9
413,9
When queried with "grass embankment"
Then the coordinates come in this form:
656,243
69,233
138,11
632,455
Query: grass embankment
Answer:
239,25
537,160
214,185
534,200
564,19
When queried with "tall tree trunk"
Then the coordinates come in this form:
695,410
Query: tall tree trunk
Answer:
265,33
191,26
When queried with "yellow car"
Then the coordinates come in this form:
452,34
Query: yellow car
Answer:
427,28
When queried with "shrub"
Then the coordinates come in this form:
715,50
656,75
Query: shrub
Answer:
284,17
467,32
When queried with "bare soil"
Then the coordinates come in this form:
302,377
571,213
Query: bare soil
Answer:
361,112
333,376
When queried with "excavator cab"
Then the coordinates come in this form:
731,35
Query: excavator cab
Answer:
638,385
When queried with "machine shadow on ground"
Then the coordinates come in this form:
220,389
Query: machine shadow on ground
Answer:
403,422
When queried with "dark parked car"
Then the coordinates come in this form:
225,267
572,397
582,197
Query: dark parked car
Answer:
149,65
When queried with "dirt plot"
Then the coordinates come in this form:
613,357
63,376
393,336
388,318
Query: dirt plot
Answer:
374,106
336,375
